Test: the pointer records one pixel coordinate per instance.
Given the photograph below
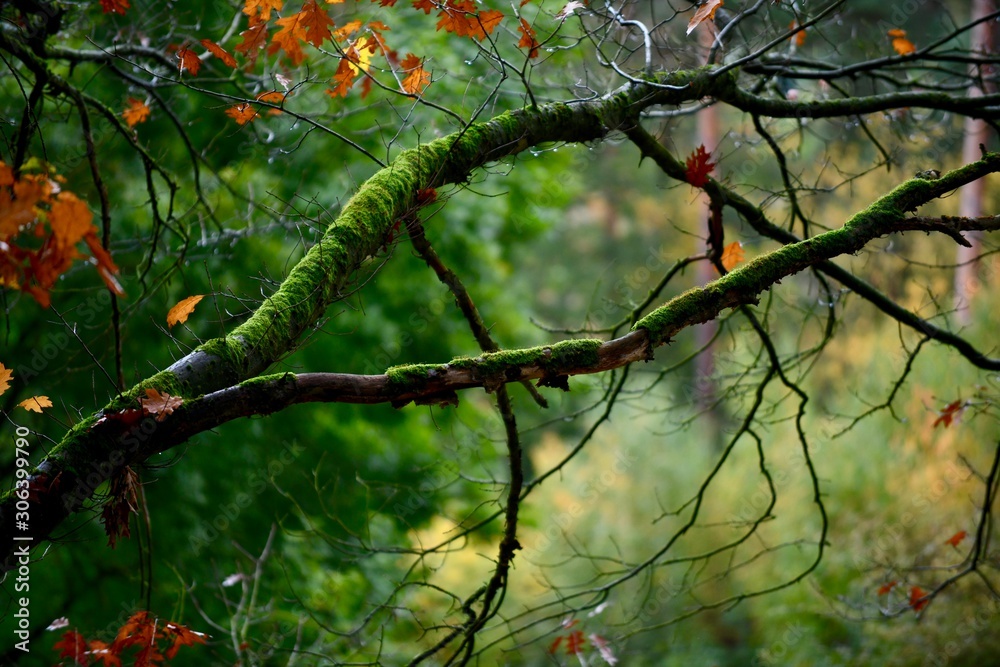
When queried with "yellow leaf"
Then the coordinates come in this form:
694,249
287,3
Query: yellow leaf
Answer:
36,403
179,313
732,255
6,375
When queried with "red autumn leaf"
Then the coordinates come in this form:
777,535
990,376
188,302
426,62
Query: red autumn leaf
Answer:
188,61
426,196
103,654
918,598
137,112
72,645
575,642
114,6
699,165
289,39
426,5
242,113
219,52
462,19
705,13
181,637
900,43
179,313
732,255
106,268
120,506
956,538
317,23
555,645
528,40
254,39
950,412
885,589
417,77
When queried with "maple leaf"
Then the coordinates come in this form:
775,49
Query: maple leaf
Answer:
900,43
569,9
699,165
950,413
956,538
137,112
261,9
6,375
705,13
242,113
159,404
528,40
179,313
417,78
732,255
188,60
918,598
219,52
114,6
36,403
885,589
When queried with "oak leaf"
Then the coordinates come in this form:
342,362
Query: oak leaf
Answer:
317,22
426,5
705,13
417,77
289,39
219,52
180,312
137,112
254,39
918,598
188,60
528,40
262,8
158,404
36,403
344,76
950,412
699,165
346,30
6,375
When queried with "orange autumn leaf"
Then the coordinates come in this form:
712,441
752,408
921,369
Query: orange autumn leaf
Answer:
242,113
699,165
799,38
159,404
346,30
273,97
900,43
114,6
956,538
462,19
426,5
219,52
417,77
528,40
918,598
70,220
182,636
262,8
254,39
885,589
344,77
188,60
137,112
105,266
289,39
317,22
35,403
732,255
705,13
6,375
180,312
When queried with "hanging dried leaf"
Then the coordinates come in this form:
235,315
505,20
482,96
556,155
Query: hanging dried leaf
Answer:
36,403
705,13
179,313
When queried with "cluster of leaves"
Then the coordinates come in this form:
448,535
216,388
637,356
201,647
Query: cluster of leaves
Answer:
576,643
154,640
40,227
